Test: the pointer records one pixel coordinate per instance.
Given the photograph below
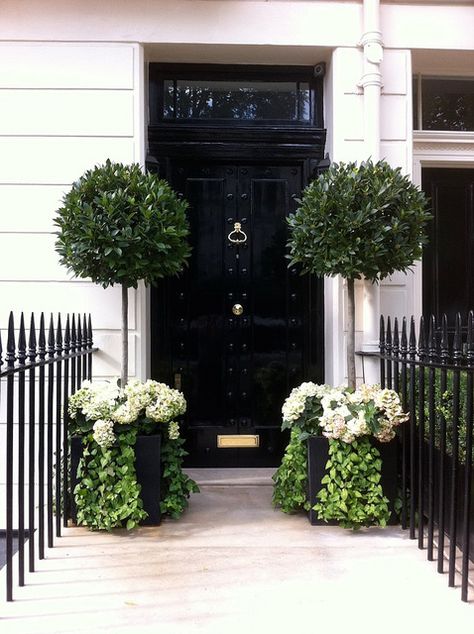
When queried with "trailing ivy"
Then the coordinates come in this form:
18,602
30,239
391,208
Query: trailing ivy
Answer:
108,494
291,479
352,493
109,419
176,486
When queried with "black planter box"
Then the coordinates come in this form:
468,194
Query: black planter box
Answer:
318,450
148,468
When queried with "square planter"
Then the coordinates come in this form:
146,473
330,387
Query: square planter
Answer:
318,451
148,469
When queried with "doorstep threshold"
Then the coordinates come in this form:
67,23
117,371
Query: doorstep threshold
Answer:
261,476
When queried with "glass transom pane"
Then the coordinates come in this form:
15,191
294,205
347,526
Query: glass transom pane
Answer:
237,100
447,104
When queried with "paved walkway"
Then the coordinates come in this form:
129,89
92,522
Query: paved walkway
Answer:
233,564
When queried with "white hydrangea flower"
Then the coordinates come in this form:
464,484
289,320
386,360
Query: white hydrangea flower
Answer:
333,425
104,433
173,430
166,405
101,400
294,406
125,413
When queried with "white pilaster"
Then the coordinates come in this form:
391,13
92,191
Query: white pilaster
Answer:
371,83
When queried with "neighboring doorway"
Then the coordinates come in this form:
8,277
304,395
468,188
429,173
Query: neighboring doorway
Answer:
238,329
448,265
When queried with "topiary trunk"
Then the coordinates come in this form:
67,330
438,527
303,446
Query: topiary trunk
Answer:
124,369
351,373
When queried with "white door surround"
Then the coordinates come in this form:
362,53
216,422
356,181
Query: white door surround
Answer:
437,149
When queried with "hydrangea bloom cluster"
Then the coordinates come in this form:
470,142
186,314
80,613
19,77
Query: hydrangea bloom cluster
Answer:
104,433
346,415
167,406
108,405
295,404
94,400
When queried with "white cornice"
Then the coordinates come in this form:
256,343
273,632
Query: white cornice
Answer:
439,137
443,148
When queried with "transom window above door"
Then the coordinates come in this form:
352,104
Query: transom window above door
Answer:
237,95
443,103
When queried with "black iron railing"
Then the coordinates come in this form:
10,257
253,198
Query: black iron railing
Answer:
432,368
36,380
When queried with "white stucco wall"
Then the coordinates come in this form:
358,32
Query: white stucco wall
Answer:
72,94
63,108
67,105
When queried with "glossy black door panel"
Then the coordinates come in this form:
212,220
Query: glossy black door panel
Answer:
238,329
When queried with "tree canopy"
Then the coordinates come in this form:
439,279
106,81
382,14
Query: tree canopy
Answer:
359,221
118,225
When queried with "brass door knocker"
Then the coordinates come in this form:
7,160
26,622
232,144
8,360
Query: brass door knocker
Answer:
237,236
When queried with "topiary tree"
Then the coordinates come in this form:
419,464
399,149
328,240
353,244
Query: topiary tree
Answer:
118,225
358,221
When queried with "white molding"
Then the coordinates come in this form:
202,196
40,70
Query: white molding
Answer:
433,148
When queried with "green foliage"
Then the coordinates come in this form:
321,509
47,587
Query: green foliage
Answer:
108,494
307,423
176,486
118,225
354,221
443,408
291,478
352,493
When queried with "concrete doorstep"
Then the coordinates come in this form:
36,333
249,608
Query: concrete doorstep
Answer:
233,564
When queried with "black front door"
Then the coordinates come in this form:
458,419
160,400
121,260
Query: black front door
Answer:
238,329
448,260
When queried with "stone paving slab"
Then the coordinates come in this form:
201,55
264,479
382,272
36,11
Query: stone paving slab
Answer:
234,564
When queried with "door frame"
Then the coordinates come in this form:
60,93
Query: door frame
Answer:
238,142
450,150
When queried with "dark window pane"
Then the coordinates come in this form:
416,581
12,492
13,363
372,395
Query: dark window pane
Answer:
168,99
448,104
416,123
252,100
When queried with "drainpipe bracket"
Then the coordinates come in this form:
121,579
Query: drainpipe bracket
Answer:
371,36
373,78
372,44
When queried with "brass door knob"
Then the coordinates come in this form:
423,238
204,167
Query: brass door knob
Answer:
237,309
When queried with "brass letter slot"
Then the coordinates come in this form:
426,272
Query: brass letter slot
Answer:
229,441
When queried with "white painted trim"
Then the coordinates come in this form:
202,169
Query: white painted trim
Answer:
438,149
143,295
139,103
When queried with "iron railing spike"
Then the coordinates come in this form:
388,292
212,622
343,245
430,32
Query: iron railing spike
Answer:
470,338
59,335
42,334
10,356
422,338
51,340
444,339
22,340
32,339
67,334
412,340
90,340
388,335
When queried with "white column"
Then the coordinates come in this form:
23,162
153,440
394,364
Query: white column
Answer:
371,83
